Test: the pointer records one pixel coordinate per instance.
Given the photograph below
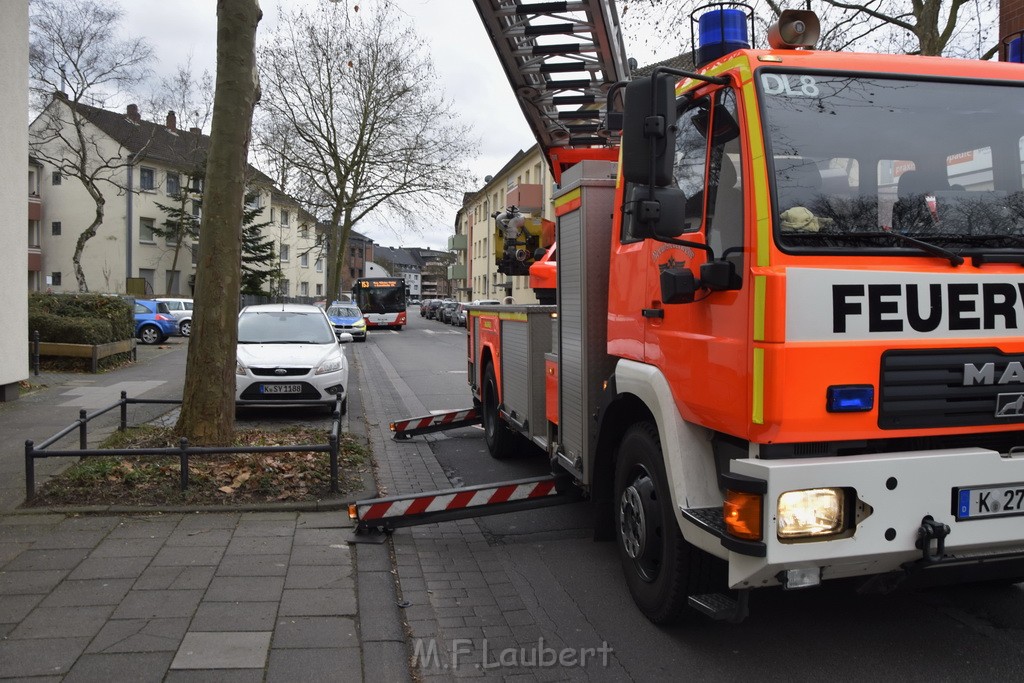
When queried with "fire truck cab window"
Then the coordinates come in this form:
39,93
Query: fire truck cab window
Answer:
691,159
725,184
847,166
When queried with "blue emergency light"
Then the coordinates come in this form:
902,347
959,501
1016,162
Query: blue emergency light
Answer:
850,398
1014,53
721,29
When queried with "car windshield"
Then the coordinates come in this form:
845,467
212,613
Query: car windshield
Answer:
853,159
284,327
343,312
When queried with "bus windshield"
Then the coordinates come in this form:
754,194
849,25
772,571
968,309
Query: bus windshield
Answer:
854,159
379,295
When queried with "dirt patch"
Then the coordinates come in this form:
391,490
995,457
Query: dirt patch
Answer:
228,479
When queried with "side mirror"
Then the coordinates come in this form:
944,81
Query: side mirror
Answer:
658,212
344,337
648,131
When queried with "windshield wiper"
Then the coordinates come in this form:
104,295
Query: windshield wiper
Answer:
933,249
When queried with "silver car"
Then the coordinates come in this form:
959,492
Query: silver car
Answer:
181,309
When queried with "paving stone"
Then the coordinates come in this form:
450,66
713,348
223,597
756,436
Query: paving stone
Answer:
212,650
315,632
337,664
245,589
24,583
321,555
69,539
385,662
275,516
314,576
140,635
323,520
265,529
175,578
235,616
14,608
53,558
199,537
259,545
155,604
177,557
31,520
319,602
253,565
321,536
39,657
143,529
143,667
128,547
215,676
88,592
88,523
216,520
9,551
104,568
62,622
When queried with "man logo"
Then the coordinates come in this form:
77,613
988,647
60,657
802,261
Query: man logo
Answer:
1010,405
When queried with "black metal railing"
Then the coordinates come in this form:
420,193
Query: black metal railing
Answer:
182,451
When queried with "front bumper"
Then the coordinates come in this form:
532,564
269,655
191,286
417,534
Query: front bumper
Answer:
893,493
323,388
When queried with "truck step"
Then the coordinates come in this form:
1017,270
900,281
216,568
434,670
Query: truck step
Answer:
452,419
720,606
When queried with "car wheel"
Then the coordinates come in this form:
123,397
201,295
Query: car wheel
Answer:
660,566
498,436
150,334
185,328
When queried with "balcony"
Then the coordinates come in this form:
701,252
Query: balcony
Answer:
458,243
457,271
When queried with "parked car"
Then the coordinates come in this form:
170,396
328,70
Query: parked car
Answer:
433,306
445,312
459,315
181,309
153,321
347,318
289,352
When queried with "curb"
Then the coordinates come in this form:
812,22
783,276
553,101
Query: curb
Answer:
311,506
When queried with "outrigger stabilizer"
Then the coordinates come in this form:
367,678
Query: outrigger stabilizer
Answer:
452,419
386,514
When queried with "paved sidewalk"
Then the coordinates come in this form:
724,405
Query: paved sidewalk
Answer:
226,596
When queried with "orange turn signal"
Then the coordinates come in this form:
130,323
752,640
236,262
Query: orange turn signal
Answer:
742,512
352,514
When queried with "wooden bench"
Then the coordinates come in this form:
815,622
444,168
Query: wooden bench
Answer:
92,351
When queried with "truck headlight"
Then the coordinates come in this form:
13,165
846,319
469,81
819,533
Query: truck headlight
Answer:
811,513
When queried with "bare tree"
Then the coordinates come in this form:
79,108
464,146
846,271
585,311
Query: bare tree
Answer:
75,57
188,96
955,28
208,400
372,130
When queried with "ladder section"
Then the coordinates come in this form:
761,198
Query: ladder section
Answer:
560,58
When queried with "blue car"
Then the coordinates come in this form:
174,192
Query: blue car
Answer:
347,317
154,322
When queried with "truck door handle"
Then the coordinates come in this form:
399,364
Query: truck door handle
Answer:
653,312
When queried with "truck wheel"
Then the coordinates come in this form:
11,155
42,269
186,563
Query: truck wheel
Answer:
496,433
661,568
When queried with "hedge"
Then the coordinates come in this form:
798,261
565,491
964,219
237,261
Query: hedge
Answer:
80,318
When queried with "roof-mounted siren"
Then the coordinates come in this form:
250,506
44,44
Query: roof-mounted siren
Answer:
1013,47
795,28
722,27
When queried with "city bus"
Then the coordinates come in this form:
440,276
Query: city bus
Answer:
382,301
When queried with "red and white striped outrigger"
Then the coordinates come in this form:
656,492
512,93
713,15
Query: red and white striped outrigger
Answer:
462,503
453,419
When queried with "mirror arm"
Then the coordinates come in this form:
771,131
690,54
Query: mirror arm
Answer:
688,243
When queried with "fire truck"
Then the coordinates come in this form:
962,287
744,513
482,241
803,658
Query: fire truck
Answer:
786,345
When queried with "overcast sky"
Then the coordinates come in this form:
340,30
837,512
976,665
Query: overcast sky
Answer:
461,51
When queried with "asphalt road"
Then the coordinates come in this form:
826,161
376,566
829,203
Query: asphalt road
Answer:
831,632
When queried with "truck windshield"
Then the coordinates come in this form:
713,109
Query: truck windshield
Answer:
854,158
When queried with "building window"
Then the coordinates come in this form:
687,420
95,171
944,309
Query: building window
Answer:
147,179
285,217
146,231
353,252
304,232
303,289
173,183
304,260
319,265
286,287
285,252
55,228
196,204
351,272
149,275
55,179
55,279
319,290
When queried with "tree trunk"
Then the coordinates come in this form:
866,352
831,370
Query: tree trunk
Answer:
208,402
87,235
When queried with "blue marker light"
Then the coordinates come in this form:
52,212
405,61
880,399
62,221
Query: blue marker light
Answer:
1014,53
857,398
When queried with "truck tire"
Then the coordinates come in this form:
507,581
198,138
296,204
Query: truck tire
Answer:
662,569
497,435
